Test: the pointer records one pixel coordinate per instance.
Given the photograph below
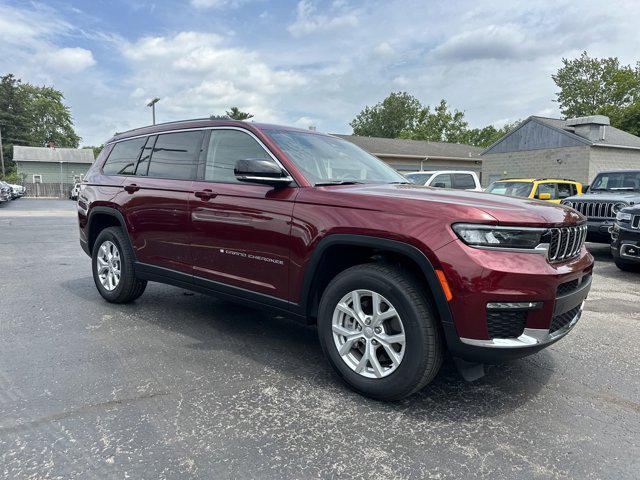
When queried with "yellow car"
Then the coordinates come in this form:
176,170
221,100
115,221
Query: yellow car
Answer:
550,189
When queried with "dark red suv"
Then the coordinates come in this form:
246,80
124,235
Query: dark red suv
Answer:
311,226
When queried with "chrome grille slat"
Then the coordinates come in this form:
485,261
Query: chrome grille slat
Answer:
594,209
566,242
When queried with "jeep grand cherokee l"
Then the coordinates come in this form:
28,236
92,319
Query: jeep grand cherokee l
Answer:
309,225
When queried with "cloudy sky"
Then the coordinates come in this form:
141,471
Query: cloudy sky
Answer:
304,62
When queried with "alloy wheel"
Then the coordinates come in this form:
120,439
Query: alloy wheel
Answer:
368,333
108,265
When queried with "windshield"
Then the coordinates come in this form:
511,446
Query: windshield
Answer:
513,189
418,178
617,181
323,159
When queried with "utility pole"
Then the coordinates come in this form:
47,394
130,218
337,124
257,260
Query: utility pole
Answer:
1,154
152,104
61,194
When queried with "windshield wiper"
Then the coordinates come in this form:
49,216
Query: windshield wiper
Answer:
402,183
338,182
622,188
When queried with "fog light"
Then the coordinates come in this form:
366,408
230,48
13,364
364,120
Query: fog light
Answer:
514,305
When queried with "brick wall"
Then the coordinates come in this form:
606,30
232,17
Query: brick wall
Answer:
603,158
569,162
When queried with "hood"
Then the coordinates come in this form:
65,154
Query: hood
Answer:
606,196
455,205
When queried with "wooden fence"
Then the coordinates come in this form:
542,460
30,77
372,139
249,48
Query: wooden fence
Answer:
48,190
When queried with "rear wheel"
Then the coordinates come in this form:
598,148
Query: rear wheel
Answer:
112,262
378,331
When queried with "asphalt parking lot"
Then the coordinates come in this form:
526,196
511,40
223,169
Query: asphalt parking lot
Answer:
180,385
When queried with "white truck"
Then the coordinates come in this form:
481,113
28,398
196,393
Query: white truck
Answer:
456,179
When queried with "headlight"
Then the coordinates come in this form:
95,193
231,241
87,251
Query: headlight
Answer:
499,237
623,217
619,206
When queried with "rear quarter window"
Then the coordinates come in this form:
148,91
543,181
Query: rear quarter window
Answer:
123,157
463,181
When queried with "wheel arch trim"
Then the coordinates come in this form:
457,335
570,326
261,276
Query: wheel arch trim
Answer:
109,211
368,241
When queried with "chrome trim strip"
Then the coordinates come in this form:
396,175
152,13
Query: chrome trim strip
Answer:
529,338
230,127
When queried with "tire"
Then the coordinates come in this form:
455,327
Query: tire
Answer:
423,349
128,287
627,266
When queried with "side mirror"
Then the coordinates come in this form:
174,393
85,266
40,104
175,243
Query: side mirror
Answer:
264,171
439,185
544,196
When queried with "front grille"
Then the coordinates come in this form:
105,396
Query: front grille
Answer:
571,286
635,221
506,324
564,319
594,209
565,242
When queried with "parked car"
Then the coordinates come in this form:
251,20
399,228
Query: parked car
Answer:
625,239
74,192
5,192
313,227
609,193
459,180
549,189
17,191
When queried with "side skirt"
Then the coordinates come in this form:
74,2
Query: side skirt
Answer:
153,273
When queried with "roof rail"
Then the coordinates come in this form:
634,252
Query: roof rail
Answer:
165,123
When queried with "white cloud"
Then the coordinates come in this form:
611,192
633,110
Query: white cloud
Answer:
69,60
384,49
197,74
309,21
204,4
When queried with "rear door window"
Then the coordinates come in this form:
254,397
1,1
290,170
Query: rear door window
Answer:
143,163
463,181
565,190
443,181
175,155
549,188
124,157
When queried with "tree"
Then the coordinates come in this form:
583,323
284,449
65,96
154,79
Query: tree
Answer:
439,125
483,137
590,86
50,118
33,116
96,150
395,114
236,114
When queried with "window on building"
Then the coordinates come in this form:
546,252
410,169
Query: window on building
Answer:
226,147
175,155
123,158
463,181
443,181
37,178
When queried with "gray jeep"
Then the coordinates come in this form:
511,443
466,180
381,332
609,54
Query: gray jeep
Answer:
609,192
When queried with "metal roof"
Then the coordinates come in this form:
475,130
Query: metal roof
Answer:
413,148
54,155
613,137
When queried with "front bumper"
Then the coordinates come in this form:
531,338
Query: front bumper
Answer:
625,244
484,277
598,230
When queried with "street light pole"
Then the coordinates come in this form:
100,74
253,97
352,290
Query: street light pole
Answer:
61,194
152,104
1,154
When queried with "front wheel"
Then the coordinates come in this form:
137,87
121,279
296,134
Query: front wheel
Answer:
378,330
112,262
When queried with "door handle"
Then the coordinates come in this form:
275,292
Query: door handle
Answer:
205,194
132,188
